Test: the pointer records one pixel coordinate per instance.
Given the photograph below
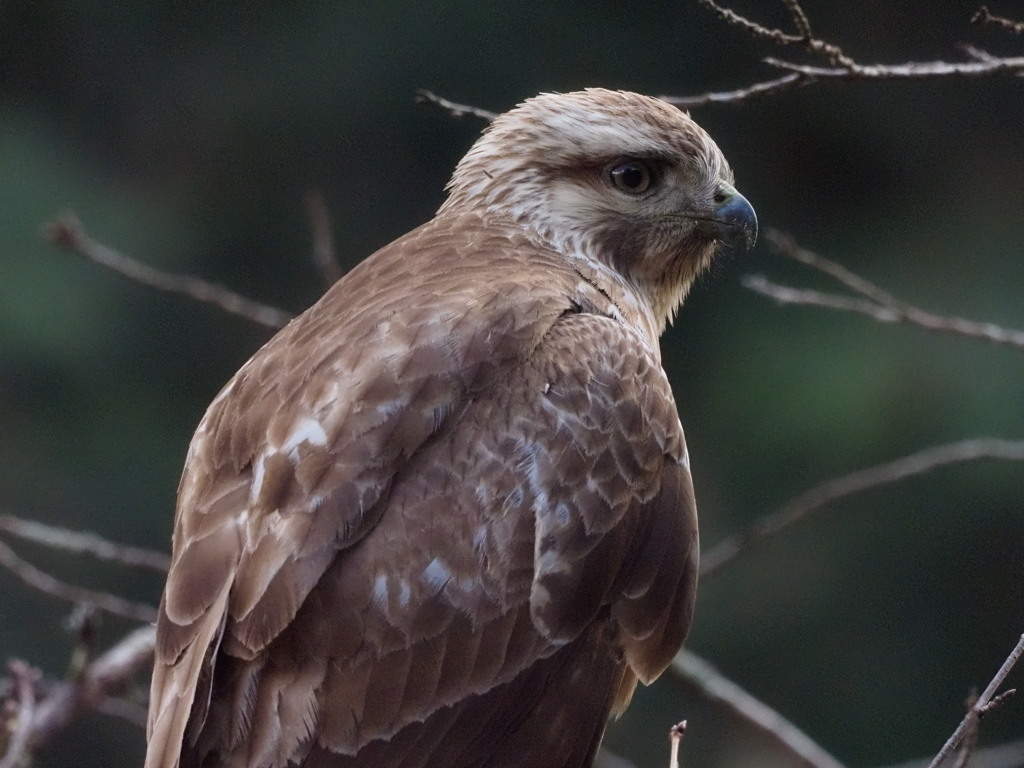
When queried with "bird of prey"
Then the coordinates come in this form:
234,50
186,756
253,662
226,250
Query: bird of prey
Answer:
445,518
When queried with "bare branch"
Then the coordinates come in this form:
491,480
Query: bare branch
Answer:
969,740
909,71
878,304
424,96
855,482
84,543
767,88
786,295
24,679
983,16
990,332
788,246
752,28
106,675
715,687
803,75
44,582
324,256
841,66
804,37
67,233
977,709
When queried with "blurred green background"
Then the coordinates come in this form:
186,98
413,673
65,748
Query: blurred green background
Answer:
188,134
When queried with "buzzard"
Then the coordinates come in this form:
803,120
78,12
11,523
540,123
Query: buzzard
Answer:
445,518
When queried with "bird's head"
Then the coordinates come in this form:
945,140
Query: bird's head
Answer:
623,181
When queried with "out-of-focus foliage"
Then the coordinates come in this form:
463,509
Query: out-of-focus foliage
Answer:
188,135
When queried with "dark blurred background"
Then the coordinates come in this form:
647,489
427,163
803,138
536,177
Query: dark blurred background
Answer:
188,134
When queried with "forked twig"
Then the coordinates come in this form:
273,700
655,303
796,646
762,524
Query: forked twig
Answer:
979,706
751,27
873,301
840,66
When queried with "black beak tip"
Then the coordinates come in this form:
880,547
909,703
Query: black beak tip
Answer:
737,220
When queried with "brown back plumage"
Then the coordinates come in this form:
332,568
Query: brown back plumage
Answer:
444,518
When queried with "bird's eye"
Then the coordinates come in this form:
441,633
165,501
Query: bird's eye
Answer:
631,177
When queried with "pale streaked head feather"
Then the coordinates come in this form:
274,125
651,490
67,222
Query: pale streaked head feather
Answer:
542,165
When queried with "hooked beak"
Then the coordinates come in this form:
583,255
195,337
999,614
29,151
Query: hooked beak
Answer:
734,219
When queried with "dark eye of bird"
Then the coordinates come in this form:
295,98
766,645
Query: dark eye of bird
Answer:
631,177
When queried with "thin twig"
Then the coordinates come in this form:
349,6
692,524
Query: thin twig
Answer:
424,96
787,295
84,543
752,28
976,710
106,675
800,20
983,16
44,582
877,303
802,75
324,256
715,687
767,88
675,735
911,70
804,37
990,332
855,482
787,245
24,679
976,53
997,702
67,233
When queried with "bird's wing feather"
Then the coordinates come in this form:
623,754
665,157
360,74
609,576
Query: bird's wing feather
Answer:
555,426
618,522
296,456
520,529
